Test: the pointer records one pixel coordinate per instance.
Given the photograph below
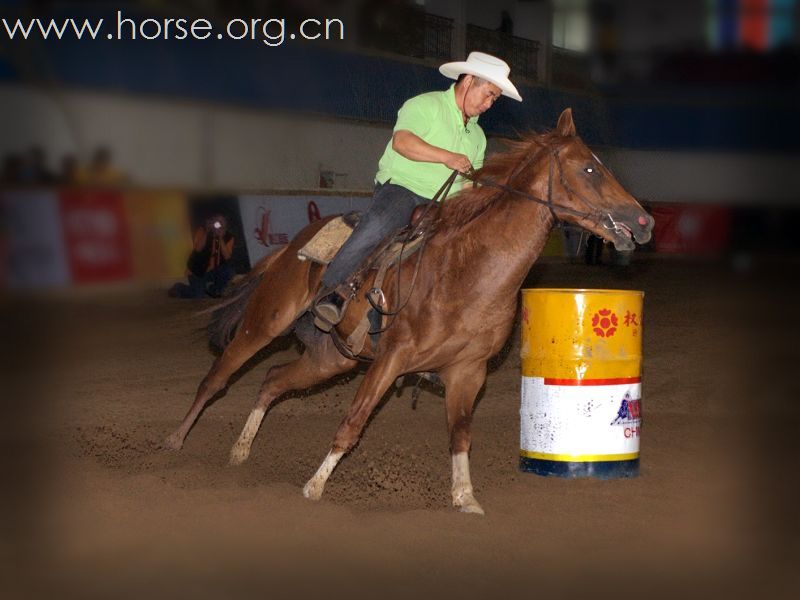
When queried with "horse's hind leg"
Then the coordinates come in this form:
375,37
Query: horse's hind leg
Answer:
377,380
319,362
270,312
235,355
462,384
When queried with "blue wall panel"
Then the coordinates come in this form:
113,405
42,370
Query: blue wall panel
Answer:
300,76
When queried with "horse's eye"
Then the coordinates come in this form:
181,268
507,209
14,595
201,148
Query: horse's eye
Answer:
589,169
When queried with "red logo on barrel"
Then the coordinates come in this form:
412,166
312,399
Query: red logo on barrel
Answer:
604,323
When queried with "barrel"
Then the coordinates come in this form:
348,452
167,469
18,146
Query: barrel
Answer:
580,412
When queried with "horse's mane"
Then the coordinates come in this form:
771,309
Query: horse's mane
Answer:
471,202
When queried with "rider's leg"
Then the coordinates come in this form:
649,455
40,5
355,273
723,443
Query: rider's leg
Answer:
390,210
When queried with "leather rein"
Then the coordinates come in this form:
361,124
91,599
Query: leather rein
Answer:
376,297
598,216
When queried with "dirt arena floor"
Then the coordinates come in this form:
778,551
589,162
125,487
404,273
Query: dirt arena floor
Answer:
94,507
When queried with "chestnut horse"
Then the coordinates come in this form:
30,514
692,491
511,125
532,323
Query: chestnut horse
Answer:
459,312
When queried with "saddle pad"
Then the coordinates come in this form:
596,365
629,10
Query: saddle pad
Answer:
324,246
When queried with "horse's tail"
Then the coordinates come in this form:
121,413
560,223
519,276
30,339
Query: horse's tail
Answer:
226,316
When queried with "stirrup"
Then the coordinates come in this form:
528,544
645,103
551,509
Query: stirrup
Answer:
326,312
326,317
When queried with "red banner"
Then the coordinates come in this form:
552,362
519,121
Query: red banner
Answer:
691,229
96,235
754,24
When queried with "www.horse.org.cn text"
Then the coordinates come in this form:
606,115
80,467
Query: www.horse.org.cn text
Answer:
270,31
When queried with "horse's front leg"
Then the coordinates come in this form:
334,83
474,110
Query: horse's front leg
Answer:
462,384
376,381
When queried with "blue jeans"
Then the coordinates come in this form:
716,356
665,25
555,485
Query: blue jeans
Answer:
211,284
390,211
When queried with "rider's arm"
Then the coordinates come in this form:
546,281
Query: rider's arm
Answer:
200,237
413,147
227,248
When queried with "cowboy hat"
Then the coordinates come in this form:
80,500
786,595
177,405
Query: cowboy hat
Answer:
486,67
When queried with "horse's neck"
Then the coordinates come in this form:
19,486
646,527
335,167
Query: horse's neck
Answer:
512,234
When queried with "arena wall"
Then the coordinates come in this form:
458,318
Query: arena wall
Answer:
189,144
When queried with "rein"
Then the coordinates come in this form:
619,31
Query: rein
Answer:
376,304
437,198
597,217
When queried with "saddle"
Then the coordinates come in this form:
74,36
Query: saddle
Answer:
392,252
323,247
326,243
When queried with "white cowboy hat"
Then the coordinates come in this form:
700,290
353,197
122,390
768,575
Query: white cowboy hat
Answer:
486,67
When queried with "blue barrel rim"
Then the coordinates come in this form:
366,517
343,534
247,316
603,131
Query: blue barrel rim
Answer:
616,469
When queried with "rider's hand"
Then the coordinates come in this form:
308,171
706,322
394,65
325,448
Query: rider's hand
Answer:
458,162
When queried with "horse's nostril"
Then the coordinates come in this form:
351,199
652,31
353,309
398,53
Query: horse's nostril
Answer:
643,221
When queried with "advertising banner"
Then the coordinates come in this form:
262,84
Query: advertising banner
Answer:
96,235
690,229
270,222
159,230
32,251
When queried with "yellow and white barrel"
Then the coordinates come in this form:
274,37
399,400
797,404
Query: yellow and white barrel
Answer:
580,414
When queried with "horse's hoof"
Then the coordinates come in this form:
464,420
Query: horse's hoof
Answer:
472,508
239,454
466,503
313,490
174,442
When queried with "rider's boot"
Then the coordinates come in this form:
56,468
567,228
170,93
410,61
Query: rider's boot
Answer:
329,309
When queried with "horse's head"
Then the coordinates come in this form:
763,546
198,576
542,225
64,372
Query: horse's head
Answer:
590,195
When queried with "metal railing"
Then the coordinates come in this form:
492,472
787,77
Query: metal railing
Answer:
521,54
438,37
411,32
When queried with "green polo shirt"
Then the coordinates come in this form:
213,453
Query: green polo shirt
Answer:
435,118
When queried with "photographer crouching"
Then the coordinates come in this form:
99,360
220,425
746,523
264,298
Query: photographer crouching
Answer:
208,268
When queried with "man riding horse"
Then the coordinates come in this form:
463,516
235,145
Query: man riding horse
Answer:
462,309
436,133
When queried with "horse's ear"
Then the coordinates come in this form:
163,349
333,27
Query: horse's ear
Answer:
566,126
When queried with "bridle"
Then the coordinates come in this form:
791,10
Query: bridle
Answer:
597,216
375,296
